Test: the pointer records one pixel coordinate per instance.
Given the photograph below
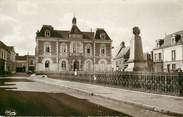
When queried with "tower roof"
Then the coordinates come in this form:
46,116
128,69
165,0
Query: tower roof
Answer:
74,21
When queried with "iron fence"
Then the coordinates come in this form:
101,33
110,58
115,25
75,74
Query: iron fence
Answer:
163,83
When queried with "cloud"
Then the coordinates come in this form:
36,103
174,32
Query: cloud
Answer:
27,7
19,20
7,24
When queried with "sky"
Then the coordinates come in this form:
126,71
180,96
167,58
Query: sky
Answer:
20,19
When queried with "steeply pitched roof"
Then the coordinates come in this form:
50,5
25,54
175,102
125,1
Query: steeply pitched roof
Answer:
168,38
123,53
75,30
4,46
63,33
11,48
88,35
99,31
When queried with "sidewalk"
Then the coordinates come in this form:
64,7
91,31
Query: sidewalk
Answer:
155,102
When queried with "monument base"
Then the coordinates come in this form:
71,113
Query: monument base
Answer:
137,66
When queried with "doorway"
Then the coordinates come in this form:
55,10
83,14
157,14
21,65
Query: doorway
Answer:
76,65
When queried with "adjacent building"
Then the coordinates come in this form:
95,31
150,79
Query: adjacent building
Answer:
25,63
7,59
72,50
168,53
121,57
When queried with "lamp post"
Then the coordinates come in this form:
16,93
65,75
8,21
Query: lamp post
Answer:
94,59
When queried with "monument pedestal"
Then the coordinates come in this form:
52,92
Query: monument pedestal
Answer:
136,61
137,66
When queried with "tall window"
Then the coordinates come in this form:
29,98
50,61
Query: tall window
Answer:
88,66
88,50
160,57
102,65
173,39
173,55
31,62
103,50
47,33
47,48
76,47
63,49
155,57
47,64
63,65
173,67
168,67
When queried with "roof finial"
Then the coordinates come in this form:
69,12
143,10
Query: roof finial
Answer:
74,21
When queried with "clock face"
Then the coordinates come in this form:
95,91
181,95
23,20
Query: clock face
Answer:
102,36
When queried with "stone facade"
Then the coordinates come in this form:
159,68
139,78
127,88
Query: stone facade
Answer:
7,59
168,53
71,50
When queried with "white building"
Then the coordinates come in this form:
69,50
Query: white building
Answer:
168,53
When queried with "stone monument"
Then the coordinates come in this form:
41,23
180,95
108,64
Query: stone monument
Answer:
136,60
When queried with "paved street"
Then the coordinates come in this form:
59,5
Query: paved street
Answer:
39,99
130,102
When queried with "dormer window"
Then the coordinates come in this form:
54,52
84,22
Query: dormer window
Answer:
102,36
47,33
177,38
161,42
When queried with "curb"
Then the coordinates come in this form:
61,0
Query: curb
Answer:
145,106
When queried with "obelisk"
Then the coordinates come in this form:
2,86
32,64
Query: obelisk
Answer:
136,60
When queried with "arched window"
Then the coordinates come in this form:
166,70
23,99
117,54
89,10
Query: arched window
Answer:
102,63
63,65
88,66
47,33
103,50
47,64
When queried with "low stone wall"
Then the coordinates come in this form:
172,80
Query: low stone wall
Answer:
163,83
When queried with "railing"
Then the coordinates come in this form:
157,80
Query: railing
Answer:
162,83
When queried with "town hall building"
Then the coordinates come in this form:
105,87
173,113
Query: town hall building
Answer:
72,50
